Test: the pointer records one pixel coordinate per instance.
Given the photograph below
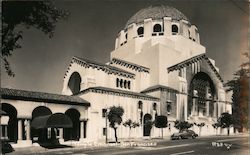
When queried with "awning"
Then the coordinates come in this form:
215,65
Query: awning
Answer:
57,120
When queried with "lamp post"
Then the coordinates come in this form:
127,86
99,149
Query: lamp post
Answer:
106,119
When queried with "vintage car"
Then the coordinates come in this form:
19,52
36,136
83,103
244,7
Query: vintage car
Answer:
184,134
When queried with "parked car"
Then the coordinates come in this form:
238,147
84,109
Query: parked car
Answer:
184,134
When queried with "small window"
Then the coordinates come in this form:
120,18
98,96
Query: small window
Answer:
174,29
104,112
104,131
125,84
169,108
140,104
157,28
121,83
180,73
154,106
128,84
117,82
126,36
140,31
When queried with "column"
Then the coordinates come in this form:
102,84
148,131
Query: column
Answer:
82,130
28,130
20,130
207,108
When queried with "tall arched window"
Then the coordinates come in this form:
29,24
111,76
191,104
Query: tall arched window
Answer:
154,106
174,29
140,31
121,83
140,104
129,85
157,28
117,82
125,84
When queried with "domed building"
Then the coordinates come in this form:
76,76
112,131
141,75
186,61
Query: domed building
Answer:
158,67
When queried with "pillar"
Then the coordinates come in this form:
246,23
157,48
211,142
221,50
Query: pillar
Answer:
207,108
82,130
20,130
28,130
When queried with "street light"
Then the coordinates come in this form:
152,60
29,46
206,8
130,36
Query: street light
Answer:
106,118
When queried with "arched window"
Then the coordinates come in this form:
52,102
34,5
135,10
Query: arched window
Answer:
169,108
129,85
117,82
174,29
125,84
140,31
126,36
154,106
121,83
157,28
74,83
140,104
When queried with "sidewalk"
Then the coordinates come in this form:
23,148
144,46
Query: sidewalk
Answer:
94,145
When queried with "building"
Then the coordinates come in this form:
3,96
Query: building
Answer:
158,67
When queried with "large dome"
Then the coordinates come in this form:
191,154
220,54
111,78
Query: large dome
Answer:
156,12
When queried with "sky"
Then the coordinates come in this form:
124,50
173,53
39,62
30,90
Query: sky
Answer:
92,27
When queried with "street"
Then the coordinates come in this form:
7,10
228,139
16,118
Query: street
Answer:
217,145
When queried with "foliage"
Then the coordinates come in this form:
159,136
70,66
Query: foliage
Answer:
115,118
200,125
216,125
181,125
240,97
161,121
226,120
16,15
129,123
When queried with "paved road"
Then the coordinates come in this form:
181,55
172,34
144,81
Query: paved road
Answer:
201,146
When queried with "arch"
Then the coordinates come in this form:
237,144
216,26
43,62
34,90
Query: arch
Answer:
140,31
157,28
117,82
74,132
125,84
121,83
175,29
129,84
154,106
147,120
12,124
40,135
202,91
74,83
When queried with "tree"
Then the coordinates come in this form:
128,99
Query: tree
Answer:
115,118
181,125
216,126
161,122
129,123
239,86
200,125
226,121
17,15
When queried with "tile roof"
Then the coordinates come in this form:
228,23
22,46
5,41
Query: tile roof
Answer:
119,93
130,65
106,68
158,87
7,93
156,12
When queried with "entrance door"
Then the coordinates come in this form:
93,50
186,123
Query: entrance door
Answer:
147,124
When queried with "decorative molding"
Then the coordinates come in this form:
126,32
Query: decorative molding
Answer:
116,92
192,60
99,66
130,65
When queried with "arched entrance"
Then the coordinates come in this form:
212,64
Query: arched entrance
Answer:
40,135
147,124
74,132
12,124
202,94
75,83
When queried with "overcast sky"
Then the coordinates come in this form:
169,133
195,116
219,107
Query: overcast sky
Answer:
91,29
